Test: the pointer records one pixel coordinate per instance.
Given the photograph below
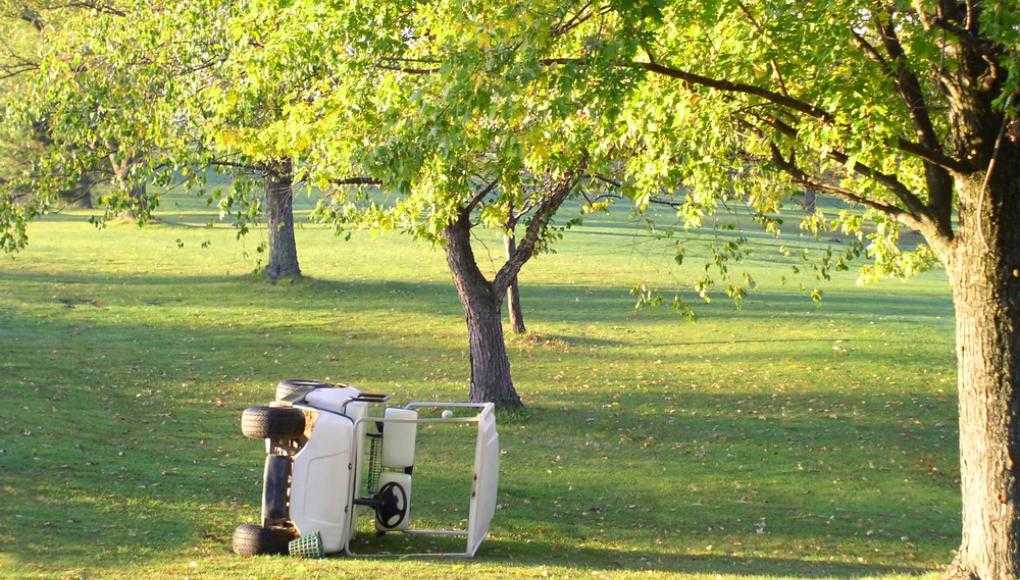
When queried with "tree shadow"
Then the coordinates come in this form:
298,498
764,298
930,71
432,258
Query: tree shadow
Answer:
551,303
119,417
539,553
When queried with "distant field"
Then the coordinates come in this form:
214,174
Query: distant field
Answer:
780,439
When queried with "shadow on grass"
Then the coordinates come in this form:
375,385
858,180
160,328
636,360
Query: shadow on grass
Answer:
537,554
119,431
532,553
549,303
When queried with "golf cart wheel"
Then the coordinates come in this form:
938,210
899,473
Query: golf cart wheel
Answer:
272,422
253,540
288,387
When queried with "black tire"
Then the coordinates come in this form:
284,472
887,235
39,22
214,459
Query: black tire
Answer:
288,387
272,422
253,540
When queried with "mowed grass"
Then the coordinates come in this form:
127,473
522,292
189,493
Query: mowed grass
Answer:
780,439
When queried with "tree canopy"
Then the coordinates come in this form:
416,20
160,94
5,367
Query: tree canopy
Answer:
434,117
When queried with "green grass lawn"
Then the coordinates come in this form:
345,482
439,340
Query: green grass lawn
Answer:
780,439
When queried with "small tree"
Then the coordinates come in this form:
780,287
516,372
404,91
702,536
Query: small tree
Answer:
75,119
440,162
469,204
123,94
235,107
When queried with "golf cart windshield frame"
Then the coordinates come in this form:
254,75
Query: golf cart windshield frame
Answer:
355,443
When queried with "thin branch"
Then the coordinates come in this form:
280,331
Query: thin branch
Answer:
33,17
543,213
909,87
785,101
580,18
576,20
10,71
802,178
654,200
956,30
101,7
474,201
939,181
525,209
938,158
411,59
873,53
236,165
408,70
902,192
720,84
361,180
607,180
761,30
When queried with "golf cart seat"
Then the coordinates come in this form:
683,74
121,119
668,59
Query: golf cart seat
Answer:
334,399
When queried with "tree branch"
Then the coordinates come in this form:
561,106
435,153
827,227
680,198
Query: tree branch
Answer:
474,201
356,181
101,7
408,70
720,84
909,87
936,157
799,176
761,30
543,214
582,16
236,165
785,101
908,198
872,53
655,200
939,181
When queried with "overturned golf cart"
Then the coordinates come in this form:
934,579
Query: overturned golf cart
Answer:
334,453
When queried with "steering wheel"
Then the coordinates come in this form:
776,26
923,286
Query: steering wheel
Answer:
391,505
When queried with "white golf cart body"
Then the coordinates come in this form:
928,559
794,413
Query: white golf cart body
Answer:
329,469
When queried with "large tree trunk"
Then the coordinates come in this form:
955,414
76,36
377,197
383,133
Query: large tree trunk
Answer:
513,293
490,365
283,259
984,269
79,196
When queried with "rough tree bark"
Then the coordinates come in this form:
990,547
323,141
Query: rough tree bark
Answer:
513,293
490,365
283,258
984,270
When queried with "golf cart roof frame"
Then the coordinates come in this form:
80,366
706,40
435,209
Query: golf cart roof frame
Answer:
486,410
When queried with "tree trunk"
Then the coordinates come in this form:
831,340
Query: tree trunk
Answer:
138,190
810,198
283,259
490,365
79,196
137,195
984,269
513,293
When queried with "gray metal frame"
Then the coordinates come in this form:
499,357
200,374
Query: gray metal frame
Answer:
447,533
